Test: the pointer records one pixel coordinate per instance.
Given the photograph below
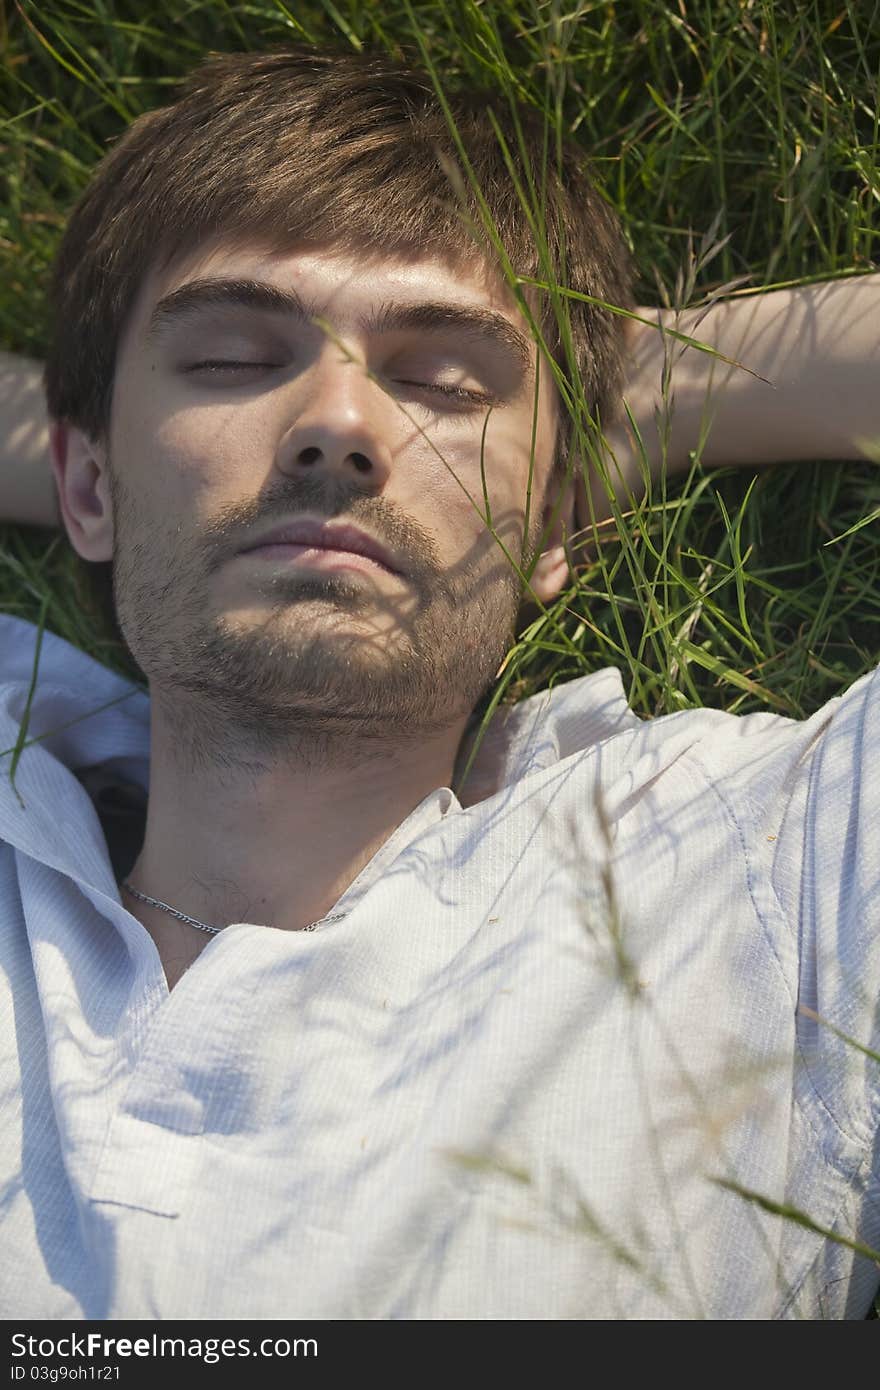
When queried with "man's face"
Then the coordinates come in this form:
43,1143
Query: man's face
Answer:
375,418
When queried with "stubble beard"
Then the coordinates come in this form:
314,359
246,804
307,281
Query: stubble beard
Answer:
366,669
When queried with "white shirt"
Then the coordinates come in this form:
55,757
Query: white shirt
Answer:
506,1084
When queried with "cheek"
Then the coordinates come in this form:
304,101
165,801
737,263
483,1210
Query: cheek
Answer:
188,463
510,458
459,525
205,445
444,496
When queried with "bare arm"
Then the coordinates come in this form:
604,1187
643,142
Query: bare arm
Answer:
27,488
812,389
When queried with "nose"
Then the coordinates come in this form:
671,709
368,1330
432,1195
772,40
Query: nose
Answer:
342,423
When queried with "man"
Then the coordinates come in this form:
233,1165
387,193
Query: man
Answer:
336,1041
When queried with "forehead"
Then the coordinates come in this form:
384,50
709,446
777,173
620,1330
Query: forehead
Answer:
344,285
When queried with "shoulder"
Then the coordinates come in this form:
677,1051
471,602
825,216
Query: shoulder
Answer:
60,713
759,762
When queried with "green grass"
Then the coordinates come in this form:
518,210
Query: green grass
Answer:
755,122
761,119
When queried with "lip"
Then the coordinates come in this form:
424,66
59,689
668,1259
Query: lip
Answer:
340,539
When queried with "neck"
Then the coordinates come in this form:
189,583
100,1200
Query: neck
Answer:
267,828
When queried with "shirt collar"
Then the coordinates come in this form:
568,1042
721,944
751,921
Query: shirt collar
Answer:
80,714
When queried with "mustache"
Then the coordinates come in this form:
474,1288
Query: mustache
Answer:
233,524
221,537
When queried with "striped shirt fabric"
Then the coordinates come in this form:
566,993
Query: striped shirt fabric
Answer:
584,1038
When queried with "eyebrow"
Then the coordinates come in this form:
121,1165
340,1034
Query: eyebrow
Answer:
197,297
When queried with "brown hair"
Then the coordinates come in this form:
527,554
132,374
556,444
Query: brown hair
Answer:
305,145
314,146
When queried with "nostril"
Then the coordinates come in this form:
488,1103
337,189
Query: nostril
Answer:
362,463
309,455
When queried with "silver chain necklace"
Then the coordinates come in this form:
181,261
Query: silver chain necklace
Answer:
203,926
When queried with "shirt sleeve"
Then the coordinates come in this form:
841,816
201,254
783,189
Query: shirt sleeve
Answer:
804,798
825,874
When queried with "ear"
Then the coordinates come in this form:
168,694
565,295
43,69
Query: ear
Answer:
553,569
82,479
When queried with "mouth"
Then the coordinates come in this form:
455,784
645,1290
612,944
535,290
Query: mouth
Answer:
316,557
323,545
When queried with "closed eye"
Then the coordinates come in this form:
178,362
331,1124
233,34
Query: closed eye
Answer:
459,393
221,366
